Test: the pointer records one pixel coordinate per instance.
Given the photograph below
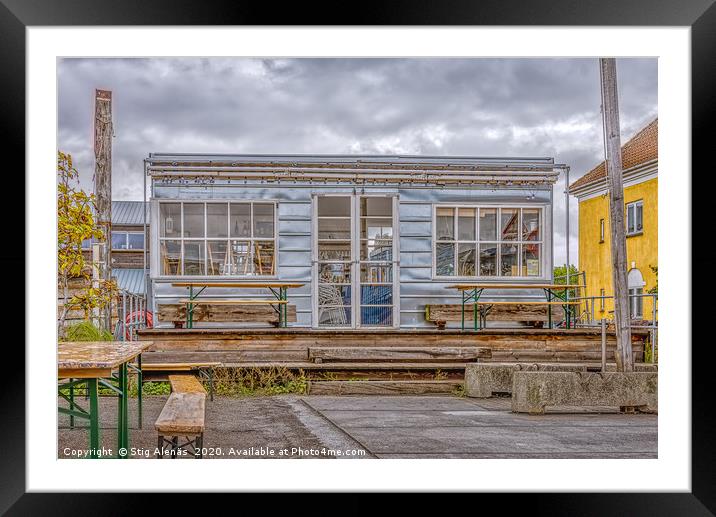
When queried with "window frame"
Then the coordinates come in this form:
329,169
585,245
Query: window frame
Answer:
157,238
544,241
126,240
639,203
636,302
601,230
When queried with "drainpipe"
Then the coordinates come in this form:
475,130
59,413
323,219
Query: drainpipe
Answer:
566,204
146,241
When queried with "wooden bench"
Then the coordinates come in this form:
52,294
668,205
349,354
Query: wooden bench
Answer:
531,313
182,415
395,353
226,311
162,371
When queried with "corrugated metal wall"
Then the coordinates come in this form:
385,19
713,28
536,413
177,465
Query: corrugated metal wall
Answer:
414,232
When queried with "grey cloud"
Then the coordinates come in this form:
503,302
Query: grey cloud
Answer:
516,107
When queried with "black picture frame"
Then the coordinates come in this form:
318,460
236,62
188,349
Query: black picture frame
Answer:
700,15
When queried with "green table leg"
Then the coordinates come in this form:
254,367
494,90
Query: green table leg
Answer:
190,309
72,404
93,395
140,388
475,325
123,414
284,306
549,308
462,315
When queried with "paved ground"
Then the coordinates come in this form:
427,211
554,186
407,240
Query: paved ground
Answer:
384,427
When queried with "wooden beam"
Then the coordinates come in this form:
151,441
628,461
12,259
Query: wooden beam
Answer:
398,354
610,110
368,387
103,130
225,312
502,311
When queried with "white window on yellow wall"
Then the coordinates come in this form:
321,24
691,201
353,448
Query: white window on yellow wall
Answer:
635,286
635,217
601,299
601,230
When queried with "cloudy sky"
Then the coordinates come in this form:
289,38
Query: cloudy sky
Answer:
479,107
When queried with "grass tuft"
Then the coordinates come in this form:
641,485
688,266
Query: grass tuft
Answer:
272,380
86,331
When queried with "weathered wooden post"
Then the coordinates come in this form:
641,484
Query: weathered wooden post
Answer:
610,112
103,187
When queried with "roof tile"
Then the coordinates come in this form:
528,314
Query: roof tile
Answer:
642,147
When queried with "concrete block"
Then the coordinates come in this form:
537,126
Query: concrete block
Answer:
533,391
483,380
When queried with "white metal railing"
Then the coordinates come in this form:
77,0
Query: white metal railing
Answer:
587,315
132,315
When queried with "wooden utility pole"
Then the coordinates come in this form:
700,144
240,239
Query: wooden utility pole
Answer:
610,114
103,186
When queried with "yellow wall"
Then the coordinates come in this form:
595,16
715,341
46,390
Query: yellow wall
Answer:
595,257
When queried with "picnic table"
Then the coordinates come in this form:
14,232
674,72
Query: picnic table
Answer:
472,292
277,288
92,363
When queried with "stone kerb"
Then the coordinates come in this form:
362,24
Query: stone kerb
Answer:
535,391
484,380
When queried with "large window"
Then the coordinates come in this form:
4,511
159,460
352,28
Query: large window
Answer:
127,240
486,241
217,238
635,217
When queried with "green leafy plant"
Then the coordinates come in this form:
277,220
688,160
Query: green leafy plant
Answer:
650,355
75,224
559,273
149,388
459,391
655,289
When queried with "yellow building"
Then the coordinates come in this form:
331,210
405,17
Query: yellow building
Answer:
640,169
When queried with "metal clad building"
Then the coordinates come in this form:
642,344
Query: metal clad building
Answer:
374,238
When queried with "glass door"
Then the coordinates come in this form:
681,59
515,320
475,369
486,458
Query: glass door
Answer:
355,266
375,261
334,261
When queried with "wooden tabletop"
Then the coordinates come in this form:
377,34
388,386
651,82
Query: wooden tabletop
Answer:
464,287
242,284
75,355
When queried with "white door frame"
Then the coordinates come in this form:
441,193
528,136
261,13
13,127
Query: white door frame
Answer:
355,259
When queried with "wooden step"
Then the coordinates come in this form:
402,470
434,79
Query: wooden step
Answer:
351,366
364,354
176,367
371,387
227,357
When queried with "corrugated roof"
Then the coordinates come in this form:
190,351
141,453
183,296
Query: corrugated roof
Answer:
642,147
128,212
131,280
327,159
